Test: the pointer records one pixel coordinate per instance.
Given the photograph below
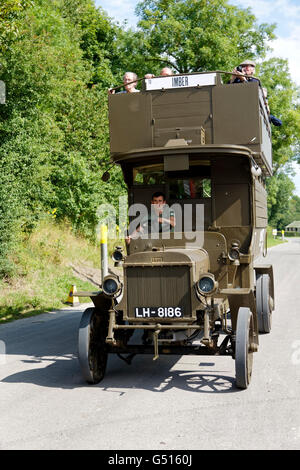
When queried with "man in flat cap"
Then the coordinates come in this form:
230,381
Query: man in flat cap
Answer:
245,68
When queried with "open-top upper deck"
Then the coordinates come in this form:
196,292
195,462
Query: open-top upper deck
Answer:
197,110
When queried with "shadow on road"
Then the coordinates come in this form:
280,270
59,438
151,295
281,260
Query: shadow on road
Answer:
158,377
46,353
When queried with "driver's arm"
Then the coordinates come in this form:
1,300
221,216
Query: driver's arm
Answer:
170,221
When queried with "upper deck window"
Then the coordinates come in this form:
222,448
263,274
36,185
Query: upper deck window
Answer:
149,175
194,183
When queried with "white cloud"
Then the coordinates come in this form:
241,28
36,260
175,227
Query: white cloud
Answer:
262,8
288,48
270,10
119,10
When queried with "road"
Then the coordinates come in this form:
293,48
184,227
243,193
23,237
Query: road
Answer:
187,402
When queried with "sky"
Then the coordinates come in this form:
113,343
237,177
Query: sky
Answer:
284,13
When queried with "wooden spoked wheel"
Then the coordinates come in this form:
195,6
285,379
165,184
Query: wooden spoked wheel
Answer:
243,347
92,350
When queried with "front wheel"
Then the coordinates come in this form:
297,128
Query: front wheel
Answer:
243,348
92,350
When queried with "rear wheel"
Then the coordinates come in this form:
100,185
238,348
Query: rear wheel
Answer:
92,350
263,306
243,345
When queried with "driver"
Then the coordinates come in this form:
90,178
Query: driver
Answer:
161,218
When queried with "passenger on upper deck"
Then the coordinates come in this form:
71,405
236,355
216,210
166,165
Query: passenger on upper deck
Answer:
247,68
130,87
165,72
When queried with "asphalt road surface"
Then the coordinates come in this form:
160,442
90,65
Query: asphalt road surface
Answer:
176,402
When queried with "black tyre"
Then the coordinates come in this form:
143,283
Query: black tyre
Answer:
92,350
263,306
243,352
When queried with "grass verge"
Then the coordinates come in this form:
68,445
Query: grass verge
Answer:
271,241
43,276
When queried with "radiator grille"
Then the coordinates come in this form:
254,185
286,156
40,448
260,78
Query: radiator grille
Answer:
159,286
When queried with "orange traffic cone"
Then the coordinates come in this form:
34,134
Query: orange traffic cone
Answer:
72,299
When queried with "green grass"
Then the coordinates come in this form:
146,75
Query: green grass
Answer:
271,241
43,273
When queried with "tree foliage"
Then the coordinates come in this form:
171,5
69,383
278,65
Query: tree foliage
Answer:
280,191
294,208
97,37
53,128
198,35
283,98
10,14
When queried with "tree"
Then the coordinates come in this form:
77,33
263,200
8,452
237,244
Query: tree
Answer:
283,98
198,35
10,11
294,208
280,191
97,37
53,128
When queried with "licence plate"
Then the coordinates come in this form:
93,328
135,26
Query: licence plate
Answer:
158,312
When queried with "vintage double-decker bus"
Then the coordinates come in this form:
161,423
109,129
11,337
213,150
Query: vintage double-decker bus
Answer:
206,146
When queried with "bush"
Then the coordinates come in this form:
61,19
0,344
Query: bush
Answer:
291,234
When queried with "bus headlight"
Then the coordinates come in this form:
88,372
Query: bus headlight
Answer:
234,253
117,255
206,284
111,285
